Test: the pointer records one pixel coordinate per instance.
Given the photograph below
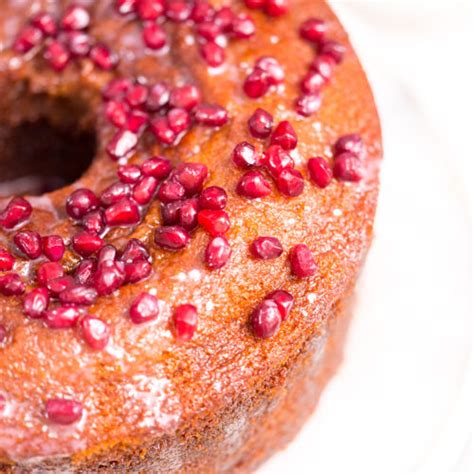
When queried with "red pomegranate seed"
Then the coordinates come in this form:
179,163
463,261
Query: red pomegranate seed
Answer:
284,301
28,243
334,49
28,38
179,120
170,212
123,213
36,302
256,84
276,7
75,18
324,65
3,338
137,120
187,214
129,174
185,97
302,262
116,89
352,143
171,191
276,159
162,131
179,10
57,55
218,252
95,332
124,7
266,248
78,43
137,271
102,57
320,171
253,185
108,277
214,222
313,30
275,73
202,11
307,105
185,320
265,320
49,271
145,308
209,30
312,83
210,115
154,36
191,176
93,222
86,244
80,202
114,193
150,9
11,285
172,237
213,54
84,271
243,26
347,167
285,136
255,4
260,124
158,97
59,284
134,250
137,95
7,260
144,190
63,411
53,247
78,295
290,182
157,167
214,198
116,113
224,17
46,23
62,317
107,252
17,211
123,142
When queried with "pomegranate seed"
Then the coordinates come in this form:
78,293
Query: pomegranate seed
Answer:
36,302
171,191
214,222
211,115
351,142
150,9
107,252
172,237
145,308
266,248
276,7
62,317
136,121
253,185
275,73
78,295
102,57
95,332
157,167
114,193
285,136
302,262
129,174
3,338
265,320
116,89
53,247
124,7
290,182
6,260
209,30
256,84
28,243
202,11
324,65
86,244
334,49
312,83
137,271
185,97
179,10
313,30
116,113
154,36
75,18
284,301
320,171
347,167
213,54
109,277
84,271
93,222
57,55
170,212
80,202
49,271
29,37
144,190
158,97
123,142
255,4
307,105
218,252
187,214
11,285
78,43
59,284
260,124
18,210
63,411
214,198
185,320
162,131
46,23
191,176
276,159
243,26
123,213
134,250
137,95
179,120
224,17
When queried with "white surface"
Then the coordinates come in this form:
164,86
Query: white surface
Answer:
402,399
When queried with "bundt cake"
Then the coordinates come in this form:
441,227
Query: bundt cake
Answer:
187,190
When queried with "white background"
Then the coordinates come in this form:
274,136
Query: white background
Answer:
402,400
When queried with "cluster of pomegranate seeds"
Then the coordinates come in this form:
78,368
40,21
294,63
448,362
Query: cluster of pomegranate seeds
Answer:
63,411
185,319
349,150
267,73
64,39
270,7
